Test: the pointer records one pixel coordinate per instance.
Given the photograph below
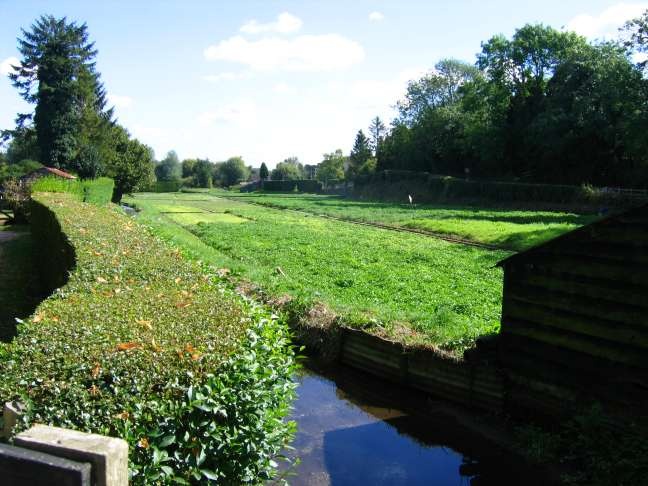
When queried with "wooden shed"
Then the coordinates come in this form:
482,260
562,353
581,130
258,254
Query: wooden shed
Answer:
575,319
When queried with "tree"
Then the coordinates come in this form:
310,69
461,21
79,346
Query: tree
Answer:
637,29
360,153
188,167
289,169
169,168
132,166
441,87
263,172
377,132
233,171
203,170
57,74
331,167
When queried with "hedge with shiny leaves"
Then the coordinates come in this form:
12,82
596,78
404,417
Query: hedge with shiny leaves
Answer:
144,345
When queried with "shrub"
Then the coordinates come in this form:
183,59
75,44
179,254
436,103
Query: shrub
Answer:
163,186
144,345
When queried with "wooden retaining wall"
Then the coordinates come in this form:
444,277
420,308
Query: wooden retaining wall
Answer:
473,384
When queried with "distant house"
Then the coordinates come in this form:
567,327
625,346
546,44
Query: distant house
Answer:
575,318
46,171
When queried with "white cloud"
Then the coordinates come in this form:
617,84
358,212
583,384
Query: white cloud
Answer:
607,23
5,66
281,88
119,101
243,113
286,23
227,76
325,52
376,16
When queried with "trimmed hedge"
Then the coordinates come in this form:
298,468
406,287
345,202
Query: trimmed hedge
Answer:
95,191
305,185
144,345
164,186
426,187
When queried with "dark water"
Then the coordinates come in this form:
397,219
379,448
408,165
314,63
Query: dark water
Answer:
354,430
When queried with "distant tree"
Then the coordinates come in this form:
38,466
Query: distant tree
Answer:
264,173
87,163
188,166
332,166
168,169
202,173
310,171
22,145
438,88
57,74
289,169
233,171
360,153
377,132
132,167
637,29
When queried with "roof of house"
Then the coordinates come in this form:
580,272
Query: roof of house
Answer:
56,172
577,235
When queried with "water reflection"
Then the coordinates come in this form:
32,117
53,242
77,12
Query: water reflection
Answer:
354,430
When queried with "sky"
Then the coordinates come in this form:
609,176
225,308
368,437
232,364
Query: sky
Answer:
267,79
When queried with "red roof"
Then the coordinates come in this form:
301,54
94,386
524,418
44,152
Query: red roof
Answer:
58,172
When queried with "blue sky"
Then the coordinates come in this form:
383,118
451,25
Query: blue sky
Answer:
271,79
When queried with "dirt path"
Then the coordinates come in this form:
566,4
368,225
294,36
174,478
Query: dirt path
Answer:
18,295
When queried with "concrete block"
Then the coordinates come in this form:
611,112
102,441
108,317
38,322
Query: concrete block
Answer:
108,455
24,467
10,415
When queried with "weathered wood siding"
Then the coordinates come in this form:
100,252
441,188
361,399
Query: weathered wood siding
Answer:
473,384
575,318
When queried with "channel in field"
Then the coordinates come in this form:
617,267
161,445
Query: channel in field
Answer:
419,288
505,228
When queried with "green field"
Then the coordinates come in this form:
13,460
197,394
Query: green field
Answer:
420,288
508,229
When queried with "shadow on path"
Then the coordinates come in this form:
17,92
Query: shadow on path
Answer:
19,293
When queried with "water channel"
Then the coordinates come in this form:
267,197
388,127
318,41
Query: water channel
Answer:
356,430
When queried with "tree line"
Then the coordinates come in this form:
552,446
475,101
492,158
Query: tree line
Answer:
543,106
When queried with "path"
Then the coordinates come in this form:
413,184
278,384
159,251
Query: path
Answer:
18,296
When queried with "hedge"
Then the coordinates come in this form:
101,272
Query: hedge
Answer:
144,345
163,186
95,191
305,185
426,187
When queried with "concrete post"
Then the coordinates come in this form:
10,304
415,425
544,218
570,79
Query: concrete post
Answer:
108,455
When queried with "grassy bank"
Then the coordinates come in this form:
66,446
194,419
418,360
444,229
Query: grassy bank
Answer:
145,345
411,287
508,229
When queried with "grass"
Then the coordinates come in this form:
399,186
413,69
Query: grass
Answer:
440,293
507,229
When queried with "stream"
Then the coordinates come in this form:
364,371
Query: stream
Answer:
356,430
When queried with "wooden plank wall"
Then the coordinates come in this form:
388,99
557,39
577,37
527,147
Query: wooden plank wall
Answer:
575,318
478,385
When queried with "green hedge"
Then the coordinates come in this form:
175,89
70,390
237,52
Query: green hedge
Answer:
305,185
144,345
95,191
425,187
163,186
